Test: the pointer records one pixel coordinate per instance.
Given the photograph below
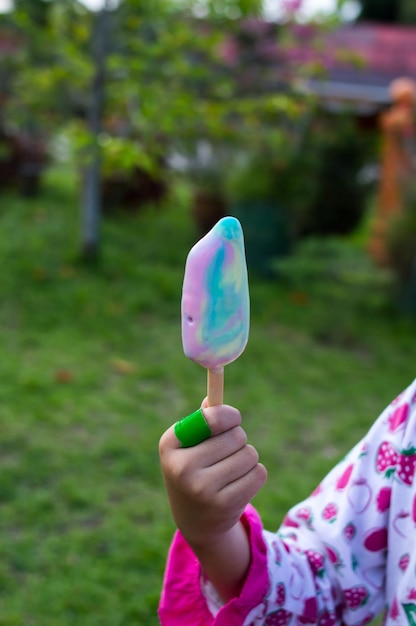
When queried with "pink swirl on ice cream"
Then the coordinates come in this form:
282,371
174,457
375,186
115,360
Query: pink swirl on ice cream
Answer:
215,297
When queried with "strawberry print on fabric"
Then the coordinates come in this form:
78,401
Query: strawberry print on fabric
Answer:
349,520
356,597
383,499
400,523
355,529
343,480
406,466
359,495
398,418
280,594
349,531
376,539
328,619
404,561
334,556
330,512
305,513
278,618
386,459
394,610
316,561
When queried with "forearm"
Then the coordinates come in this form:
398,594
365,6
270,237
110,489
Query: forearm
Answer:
225,561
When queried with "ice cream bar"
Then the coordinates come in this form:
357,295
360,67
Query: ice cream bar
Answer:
215,302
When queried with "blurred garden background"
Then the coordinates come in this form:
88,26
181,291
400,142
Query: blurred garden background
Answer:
127,129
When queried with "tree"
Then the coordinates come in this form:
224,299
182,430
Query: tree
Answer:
94,118
147,57
161,70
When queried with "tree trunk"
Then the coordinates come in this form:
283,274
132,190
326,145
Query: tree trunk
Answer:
91,210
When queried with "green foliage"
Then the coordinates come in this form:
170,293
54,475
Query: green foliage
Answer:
255,179
269,152
228,9
163,80
167,86
309,167
51,71
341,274
334,154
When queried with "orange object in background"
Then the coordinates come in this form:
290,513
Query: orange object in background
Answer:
397,126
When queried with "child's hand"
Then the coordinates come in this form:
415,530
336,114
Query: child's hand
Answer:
209,485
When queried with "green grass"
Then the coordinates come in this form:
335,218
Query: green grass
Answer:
92,372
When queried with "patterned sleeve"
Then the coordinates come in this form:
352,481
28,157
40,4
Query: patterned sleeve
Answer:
341,556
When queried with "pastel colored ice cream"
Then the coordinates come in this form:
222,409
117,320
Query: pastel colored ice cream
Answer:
215,297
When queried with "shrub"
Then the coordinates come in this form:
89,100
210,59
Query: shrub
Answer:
341,151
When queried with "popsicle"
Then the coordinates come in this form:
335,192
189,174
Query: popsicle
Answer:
215,303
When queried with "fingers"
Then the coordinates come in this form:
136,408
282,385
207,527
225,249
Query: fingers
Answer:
236,465
239,492
217,489
225,454
240,471
217,448
210,483
221,418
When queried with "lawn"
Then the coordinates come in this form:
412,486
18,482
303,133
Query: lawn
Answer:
92,371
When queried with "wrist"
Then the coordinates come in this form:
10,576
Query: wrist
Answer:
225,559
208,542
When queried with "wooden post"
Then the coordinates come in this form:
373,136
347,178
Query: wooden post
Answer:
396,164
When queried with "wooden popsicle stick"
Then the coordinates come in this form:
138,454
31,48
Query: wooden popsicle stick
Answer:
215,387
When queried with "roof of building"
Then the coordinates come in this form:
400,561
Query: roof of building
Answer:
360,59
387,52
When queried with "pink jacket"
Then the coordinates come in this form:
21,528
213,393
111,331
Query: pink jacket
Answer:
340,558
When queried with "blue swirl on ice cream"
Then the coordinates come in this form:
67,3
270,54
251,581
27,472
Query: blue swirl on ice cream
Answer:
215,298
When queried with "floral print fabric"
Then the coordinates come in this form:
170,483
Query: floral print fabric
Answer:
345,554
